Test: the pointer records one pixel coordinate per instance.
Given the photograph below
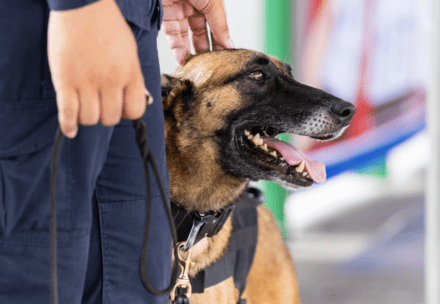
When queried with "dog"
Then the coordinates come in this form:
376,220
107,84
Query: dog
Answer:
223,111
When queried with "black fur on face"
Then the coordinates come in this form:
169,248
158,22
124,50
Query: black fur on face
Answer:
274,99
266,100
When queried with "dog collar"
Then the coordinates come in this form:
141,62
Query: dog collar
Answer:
194,226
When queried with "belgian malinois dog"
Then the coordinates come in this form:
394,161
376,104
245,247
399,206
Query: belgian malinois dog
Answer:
223,111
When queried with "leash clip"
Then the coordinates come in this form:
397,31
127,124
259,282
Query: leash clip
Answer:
183,279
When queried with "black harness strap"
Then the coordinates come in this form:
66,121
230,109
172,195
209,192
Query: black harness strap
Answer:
237,260
147,157
194,226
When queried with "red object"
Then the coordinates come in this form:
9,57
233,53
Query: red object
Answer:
315,8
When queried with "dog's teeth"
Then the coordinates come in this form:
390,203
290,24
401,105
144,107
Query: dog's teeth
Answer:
250,136
304,173
282,158
273,153
257,140
300,167
247,133
264,147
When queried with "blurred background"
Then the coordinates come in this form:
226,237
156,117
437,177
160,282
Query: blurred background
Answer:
359,237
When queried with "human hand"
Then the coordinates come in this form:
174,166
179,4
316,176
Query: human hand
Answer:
94,66
180,16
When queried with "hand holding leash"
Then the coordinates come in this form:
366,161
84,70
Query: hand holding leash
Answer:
94,66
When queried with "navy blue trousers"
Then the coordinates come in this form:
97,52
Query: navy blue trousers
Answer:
100,181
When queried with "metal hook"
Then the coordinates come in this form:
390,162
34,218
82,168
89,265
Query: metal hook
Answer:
183,279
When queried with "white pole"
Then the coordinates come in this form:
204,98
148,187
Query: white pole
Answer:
432,210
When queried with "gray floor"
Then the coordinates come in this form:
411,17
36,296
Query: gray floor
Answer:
387,269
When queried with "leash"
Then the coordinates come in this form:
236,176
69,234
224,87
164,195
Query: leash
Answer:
193,227
147,157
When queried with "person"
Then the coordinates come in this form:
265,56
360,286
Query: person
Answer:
101,58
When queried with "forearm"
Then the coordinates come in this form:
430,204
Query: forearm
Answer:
61,5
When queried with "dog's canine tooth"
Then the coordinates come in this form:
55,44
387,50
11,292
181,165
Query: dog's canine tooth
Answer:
264,147
273,153
300,167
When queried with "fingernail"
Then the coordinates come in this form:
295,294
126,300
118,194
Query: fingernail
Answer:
231,44
71,134
148,97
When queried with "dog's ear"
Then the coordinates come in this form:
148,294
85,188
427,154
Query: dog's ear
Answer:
172,88
167,83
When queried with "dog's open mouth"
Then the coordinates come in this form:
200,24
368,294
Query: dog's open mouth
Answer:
260,145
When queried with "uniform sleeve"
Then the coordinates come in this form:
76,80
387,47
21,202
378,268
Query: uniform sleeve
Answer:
61,5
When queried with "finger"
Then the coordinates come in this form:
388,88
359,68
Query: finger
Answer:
215,45
176,33
214,12
111,104
175,27
173,11
200,39
134,102
68,105
89,106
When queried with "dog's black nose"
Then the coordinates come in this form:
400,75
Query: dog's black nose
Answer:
343,110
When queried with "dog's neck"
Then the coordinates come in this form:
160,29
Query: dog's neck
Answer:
197,181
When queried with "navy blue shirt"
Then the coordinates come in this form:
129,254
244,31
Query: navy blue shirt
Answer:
139,12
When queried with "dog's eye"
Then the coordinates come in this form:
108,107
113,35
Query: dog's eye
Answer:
257,75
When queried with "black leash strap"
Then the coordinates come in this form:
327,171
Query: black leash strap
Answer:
147,157
53,219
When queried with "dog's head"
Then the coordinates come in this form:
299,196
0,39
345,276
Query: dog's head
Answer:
223,111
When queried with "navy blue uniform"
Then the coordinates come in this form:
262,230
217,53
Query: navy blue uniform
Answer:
100,182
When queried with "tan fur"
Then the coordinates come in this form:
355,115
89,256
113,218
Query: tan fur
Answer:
198,181
272,278
196,177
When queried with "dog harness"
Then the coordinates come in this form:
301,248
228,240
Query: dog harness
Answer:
238,258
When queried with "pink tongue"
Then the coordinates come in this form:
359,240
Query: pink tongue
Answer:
294,157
